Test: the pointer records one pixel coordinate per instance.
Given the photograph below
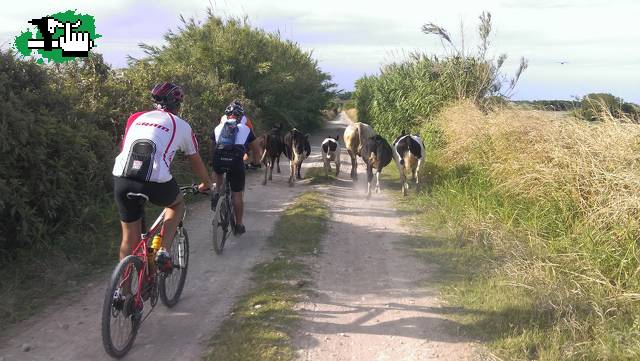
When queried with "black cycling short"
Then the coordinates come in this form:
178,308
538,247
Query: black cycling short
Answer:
131,210
230,161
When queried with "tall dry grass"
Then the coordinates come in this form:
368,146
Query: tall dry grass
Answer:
352,113
556,200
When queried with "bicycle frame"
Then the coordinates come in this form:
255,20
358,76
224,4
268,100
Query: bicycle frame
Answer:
142,252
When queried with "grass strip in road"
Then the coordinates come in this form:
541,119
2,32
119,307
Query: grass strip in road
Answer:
263,321
316,174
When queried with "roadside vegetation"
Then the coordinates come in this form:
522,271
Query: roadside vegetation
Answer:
64,122
262,323
535,214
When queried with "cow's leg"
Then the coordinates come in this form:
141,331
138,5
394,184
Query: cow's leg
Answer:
354,165
298,168
403,179
417,173
271,168
265,161
401,174
337,164
369,179
292,170
278,163
327,166
378,182
266,170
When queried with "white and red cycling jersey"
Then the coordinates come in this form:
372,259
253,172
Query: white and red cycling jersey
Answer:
165,133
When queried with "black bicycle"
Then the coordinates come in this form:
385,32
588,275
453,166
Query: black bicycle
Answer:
224,219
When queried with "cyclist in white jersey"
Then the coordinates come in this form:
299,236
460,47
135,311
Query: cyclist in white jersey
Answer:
254,147
143,166
227,152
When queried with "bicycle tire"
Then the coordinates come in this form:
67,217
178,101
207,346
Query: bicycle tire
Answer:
109,307
180,252
220,225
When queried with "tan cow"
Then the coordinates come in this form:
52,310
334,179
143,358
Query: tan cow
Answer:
355,137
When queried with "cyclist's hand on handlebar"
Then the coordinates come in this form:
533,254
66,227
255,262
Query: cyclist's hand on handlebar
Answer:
204,187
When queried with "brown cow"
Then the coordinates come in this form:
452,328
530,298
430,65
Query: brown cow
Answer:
297,149
355,137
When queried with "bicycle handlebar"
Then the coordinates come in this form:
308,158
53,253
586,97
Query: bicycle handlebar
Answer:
192,189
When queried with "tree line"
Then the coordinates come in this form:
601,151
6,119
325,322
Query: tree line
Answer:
61,124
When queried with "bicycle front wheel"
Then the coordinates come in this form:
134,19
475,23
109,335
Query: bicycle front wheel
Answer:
170,285
220,225
120,313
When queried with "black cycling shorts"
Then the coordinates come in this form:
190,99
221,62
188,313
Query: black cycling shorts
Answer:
230,161
131,210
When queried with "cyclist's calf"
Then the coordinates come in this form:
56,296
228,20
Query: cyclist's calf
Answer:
172,216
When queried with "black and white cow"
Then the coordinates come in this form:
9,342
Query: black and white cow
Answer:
273,147
408,152
331,153
296,148
377,154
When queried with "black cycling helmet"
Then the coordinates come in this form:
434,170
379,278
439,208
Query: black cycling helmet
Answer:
167,95
234,108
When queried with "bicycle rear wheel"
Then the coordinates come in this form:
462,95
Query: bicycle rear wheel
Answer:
220,224
171,285
120,314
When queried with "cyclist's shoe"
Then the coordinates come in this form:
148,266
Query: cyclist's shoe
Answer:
239,229
164,261
214,200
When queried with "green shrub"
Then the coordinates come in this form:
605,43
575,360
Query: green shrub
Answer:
404,93
61,124
602,106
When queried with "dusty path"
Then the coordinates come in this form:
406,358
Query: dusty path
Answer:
368,302
70,329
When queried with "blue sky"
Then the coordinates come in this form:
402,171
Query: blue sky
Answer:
352,38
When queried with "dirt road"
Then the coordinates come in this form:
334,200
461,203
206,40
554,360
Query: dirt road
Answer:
369,301
369,304
70,329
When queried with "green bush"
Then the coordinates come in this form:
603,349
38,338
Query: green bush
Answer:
404,93
61,124
601,106
54,158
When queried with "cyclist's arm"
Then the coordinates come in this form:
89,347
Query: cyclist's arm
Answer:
199,169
